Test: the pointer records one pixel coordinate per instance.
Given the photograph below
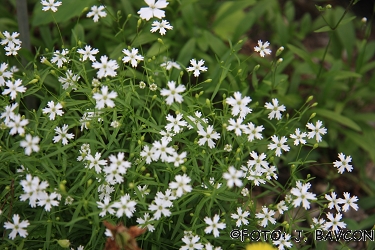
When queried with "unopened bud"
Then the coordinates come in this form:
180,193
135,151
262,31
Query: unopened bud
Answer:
279,50
256,67
139,23
63,243
312,116
328,6
160,40
364,20
309,98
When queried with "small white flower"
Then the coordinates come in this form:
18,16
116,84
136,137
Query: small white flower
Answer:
173,93
97,12
50,5
53,110
17,227
233,177
197,67
132,56
181,184
214,225
349,202
262,48
62,135
343,164
104,98
316,130
240,217
30,144
207,136
125,206
278,144
14,88
302,195
88,53
266,216
106,67
161,26
153,9
334,222
239,104
298,137
275,109
60,58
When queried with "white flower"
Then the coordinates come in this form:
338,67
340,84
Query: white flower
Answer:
70,80
266,216
275,109
236,125
333,201
48,200
53,110
62,135
96,162
233,177
161,150
50,5
147,153
316,130
17,227
17,125
10,39
343,163
192,242
239,104
4,73
106,68
334,222
284,241
12,49
173,93
298,137
175,123
105,207
317,224
168,65
105,98
197,67
349,201
253,132
281,207
88,53
30,144
161,26
14,88
207,136
258,162
302,195
97,12
240,217
213,225
278,144
181,184
59,58
9,114
132,56
125,206
153,87
145,221
154,9
262,48
177,159
160,207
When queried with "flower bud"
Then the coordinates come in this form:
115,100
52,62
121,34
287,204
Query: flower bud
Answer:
364,20
316,145
312,116
131,185
33,81
256,67
139,23
160,41
309,98
280,60
208,102
63,243
328,7
208,80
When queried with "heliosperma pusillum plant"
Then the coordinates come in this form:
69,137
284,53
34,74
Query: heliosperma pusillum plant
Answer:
156,155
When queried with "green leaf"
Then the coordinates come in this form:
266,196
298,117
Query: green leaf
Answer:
343,120
186,52
328,28
342,75
304,55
